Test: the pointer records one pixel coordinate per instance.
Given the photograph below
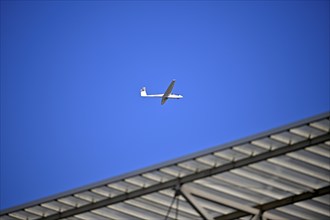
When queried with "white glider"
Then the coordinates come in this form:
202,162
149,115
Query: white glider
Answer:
165,96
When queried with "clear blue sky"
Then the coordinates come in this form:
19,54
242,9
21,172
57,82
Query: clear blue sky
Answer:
71,72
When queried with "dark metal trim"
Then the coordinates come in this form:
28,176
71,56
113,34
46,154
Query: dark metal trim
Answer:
278,203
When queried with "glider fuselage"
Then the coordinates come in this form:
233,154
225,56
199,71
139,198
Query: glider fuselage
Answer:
165,96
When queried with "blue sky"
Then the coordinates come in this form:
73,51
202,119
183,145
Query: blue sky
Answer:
71,72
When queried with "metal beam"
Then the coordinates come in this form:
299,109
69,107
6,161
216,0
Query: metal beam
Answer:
191,177
277,203
186,192
258,216
226,202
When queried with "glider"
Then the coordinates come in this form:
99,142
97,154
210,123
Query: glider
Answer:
165,96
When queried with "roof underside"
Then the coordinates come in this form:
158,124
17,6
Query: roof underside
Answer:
279,174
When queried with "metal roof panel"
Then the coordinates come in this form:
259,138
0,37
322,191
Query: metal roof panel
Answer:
281,173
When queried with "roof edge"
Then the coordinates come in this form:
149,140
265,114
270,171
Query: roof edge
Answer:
167,163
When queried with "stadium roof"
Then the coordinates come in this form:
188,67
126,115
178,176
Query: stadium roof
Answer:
279,174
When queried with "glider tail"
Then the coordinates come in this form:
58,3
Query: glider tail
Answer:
143,91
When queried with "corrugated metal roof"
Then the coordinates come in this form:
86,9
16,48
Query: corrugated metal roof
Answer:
280,174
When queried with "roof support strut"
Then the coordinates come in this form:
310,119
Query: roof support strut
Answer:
277,203
186,192
223,201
